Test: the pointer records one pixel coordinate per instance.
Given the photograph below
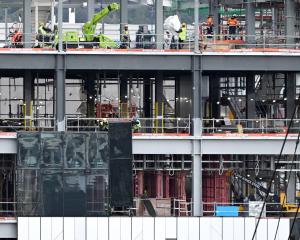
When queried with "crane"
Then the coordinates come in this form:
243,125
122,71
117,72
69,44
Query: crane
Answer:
89,28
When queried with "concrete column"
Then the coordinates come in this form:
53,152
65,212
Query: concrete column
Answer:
27,23
290,22
197,132
28,92
91,9
159,22
159,97
123,14
214,11
250,21
147,98
250,97
60,23
290,94
60,93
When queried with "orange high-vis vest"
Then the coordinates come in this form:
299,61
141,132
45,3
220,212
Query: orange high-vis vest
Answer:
232,22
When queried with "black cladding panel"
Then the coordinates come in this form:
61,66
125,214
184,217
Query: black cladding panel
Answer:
28,149
120,166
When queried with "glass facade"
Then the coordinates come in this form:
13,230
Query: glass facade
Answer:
62,174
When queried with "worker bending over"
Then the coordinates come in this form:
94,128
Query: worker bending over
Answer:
125,37
232,24
182,35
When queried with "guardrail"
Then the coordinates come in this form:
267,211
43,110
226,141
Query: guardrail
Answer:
151,41
147,125
243,126
28,123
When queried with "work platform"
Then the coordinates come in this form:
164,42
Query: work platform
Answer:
235,144
231,60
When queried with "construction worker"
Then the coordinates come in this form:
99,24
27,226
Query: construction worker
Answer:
232,24
136,125
125,37
44,34
209,26
182,35
103,124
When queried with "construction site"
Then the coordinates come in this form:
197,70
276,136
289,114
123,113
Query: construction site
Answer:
149,119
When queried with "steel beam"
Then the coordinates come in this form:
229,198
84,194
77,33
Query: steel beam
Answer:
197,132
27,23
159,22
60,93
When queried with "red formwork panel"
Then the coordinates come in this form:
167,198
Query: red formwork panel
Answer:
215,190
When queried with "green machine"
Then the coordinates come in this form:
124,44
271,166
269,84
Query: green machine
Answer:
72,39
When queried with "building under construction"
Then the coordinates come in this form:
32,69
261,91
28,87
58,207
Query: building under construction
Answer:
157,119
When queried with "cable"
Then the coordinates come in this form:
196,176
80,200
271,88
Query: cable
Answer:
289,177
274,172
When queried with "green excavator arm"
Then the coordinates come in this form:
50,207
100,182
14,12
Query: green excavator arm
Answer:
89,27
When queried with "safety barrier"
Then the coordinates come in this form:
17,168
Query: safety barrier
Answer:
27,124
250,126
150,41
147,125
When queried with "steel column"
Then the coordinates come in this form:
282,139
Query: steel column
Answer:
197,132
159,98
91,8
291,188
290,94
214,11
250,97
6,25
159,22
290,22
214,95
147,98
60,24
60,93
250,21
123,14
27,23
196,27
28,92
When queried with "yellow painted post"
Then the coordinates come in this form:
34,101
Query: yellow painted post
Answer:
30,112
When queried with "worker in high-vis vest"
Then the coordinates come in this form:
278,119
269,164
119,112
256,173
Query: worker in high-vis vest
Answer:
125,37
232,24
182,35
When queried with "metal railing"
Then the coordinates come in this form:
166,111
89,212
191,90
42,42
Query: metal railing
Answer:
244,126
147,125
27,124
151,41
